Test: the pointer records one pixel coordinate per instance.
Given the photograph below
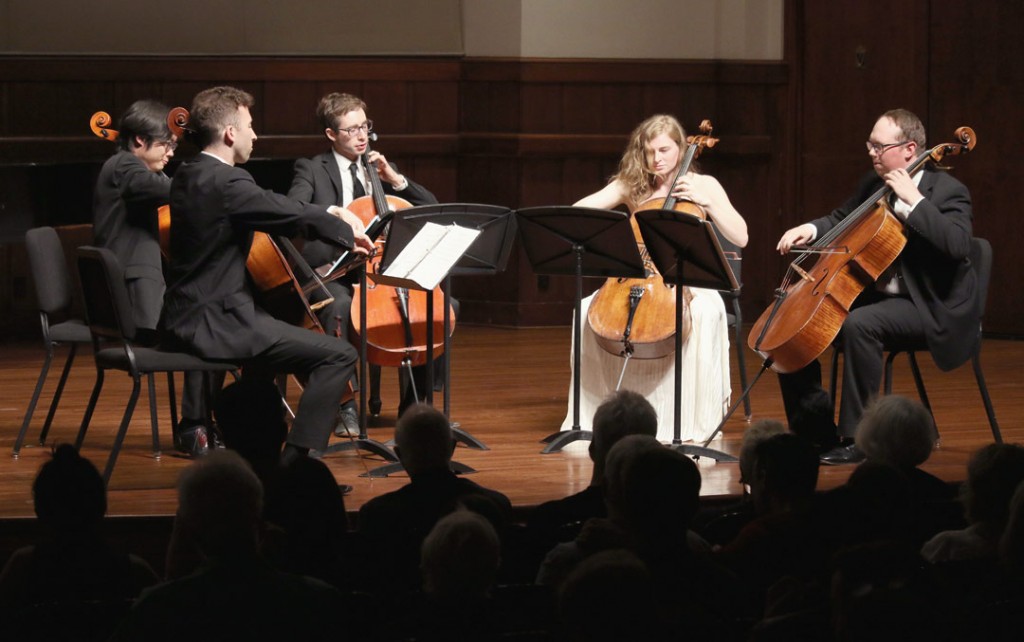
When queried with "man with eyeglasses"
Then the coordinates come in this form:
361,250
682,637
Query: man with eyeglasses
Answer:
130,189
927,292
338,177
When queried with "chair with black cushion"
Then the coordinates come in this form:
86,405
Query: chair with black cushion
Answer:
112,325
734,255
981,259
53,286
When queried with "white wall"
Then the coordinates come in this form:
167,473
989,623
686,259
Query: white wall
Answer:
661,29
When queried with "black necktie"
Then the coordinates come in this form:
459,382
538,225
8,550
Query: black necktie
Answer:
357,185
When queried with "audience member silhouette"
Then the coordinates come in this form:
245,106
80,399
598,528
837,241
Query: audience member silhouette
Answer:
459,568
250,416
993,474
610,596
623,413
394,525
305,503
72,565
235,594
652,493
598,533
720,526
1011,543
900,432
786,538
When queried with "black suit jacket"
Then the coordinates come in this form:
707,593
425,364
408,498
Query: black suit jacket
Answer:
125,222
215,207
318,180
935,262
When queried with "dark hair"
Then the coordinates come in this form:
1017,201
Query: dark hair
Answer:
335,105
787,464
215,108
69,493
622,413
145,119
909,124
993,474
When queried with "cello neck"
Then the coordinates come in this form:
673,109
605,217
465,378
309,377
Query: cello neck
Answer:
684,166
380,200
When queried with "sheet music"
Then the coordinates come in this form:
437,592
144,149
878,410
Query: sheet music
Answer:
431,254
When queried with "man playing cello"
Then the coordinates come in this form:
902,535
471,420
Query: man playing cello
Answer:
927,292
338,177
209,307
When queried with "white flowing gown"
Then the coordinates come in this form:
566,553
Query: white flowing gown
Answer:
705,366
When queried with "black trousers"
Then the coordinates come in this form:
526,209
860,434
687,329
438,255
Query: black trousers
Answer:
324,362
875,320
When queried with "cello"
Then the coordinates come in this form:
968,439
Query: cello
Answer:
819,287
396,325
635,317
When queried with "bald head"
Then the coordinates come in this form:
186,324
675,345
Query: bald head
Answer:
423,440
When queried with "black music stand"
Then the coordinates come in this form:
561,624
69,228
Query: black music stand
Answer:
487,255
686,251
362,442
578,241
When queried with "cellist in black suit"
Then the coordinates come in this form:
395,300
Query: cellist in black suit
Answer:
338,177
929,291
209,307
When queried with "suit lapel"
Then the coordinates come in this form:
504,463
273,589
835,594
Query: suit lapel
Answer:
331,167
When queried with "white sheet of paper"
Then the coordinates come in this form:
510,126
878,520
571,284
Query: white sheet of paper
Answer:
432,253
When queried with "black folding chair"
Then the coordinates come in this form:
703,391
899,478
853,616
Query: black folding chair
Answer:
981,259
111,321
53,293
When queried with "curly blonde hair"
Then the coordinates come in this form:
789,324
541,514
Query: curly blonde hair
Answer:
634,172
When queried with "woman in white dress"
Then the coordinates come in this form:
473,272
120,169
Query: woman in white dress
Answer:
648,165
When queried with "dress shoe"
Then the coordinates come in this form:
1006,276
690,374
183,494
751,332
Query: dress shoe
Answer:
348,421
344,489
848,454
192,441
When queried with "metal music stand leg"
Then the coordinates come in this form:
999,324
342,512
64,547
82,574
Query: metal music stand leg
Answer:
391,469
460,435
362,442
556,441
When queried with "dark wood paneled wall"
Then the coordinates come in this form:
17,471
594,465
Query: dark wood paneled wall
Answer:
549,132
524,133
952,63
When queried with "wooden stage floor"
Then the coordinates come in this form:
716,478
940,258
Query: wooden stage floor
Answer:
509,389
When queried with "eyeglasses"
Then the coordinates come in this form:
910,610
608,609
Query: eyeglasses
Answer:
366,127
169,144
878,148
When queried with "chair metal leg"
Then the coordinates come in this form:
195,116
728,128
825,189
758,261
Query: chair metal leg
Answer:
922,393
153,420
983,389
919,382
123,429
375,402
172,400
887,376
834,376
741,358
93,398
35,399
57,393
